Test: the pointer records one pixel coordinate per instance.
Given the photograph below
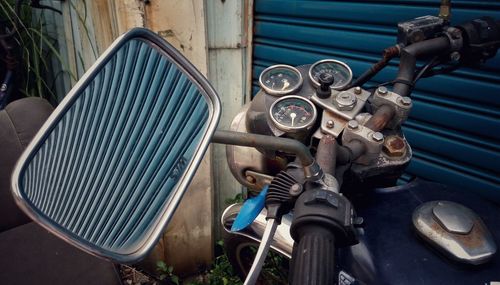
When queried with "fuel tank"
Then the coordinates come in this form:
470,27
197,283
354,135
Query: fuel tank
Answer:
390,249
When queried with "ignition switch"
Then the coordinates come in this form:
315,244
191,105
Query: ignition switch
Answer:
325,81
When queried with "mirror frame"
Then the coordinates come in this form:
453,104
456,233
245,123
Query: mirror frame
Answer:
147,243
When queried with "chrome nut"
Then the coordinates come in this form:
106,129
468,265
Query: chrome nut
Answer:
405,101
353,124
357,90
377,136
382,90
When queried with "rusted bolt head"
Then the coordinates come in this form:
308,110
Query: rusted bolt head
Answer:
377,136
357,90
455,56
382,90
394,146
250,179
330,124
352,124
406,101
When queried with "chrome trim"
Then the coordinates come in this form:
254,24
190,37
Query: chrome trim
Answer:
282,240
293,129
471,243
316,83
276,92
166,214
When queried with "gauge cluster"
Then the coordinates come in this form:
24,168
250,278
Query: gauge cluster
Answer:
292,102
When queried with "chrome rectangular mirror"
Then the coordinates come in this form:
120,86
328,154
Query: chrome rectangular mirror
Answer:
108,168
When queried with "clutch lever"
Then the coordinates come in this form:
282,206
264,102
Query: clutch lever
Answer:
280,198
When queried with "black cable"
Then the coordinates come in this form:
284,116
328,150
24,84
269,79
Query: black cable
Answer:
428,66
435,61
372,87
442,70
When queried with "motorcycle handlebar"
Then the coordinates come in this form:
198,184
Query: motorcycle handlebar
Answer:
408,59
313,257
321,222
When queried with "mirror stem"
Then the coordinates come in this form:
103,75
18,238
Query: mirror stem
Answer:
266,142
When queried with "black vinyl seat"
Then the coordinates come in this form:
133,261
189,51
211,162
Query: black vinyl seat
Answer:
28,253
19,122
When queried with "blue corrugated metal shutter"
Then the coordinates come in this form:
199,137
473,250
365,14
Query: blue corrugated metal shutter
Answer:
454,127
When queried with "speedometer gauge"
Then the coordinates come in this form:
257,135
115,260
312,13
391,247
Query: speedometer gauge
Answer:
341,72
293,113
280,80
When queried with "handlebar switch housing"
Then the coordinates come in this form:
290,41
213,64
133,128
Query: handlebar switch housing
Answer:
481,39
324,210
322,221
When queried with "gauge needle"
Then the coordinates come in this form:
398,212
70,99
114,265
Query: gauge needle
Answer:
285,84
293,115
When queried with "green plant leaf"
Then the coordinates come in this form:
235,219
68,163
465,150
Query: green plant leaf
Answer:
161,267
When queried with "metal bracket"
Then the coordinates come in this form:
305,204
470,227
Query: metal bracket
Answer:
332,124
329,104
373,141
257,180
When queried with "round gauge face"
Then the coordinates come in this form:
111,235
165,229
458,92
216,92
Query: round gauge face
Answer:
293,113
280,80
341,72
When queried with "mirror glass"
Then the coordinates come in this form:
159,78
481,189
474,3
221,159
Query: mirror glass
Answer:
108,168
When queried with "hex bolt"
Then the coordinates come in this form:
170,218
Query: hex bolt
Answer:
295,190
357,90
382,90
353,124
250,179
455,56
377,136
454,32
394,146
330,124
406,101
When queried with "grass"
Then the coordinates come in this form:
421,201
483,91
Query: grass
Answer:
221,272
36,49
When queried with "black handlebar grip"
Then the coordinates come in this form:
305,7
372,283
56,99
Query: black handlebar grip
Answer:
313,257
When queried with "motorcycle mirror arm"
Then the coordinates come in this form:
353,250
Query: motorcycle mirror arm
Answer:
312,170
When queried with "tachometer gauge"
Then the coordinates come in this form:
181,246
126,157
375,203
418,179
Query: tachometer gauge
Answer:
341,72
280,80
293,113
